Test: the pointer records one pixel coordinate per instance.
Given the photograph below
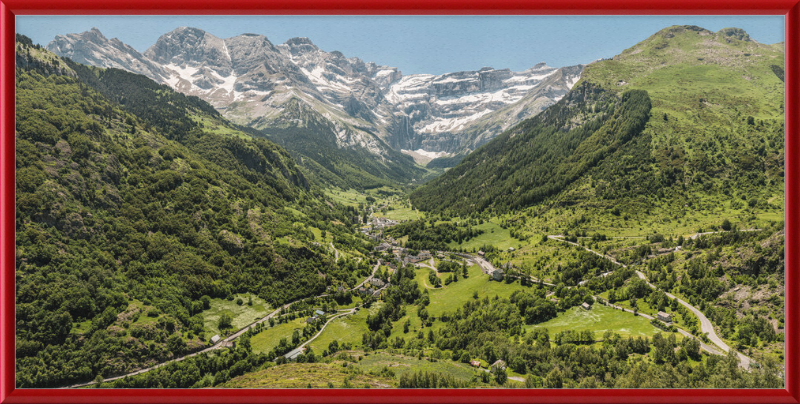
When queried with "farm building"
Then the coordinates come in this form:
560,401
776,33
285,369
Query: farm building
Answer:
215,339
586,306
500,364
498,274
476,364
665,317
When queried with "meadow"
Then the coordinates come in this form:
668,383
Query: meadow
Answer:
242,315
314,375
346,329
450,297
400,364
493,234
598,319
264,341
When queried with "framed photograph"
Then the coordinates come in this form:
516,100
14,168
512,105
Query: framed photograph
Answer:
398,201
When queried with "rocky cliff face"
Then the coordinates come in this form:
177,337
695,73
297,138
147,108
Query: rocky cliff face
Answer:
250,80
457,112
92,48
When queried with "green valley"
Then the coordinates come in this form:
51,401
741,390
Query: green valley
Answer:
631,235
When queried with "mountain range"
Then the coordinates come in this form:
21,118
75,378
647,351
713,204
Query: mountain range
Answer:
716,125
301,96
161,192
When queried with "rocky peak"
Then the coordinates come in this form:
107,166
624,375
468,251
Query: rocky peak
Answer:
93,48
674,30
734,33
300,46
191,46
94,34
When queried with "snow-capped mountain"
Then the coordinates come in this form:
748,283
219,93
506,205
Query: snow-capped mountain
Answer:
94,49
366,105
536,89
449,112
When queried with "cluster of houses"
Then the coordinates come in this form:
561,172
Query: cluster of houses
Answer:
375,285
317,315
401,255
375,236
423,255
375,230
498,364
381,222
365,291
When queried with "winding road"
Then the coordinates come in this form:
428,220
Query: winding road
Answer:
223,342
301,348
705,324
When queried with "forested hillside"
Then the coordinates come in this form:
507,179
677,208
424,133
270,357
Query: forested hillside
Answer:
540,157
312,140
711,122
631,235
136,205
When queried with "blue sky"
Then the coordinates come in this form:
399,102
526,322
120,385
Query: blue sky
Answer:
420,44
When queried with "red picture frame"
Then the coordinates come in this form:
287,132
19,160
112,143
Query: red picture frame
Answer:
10,8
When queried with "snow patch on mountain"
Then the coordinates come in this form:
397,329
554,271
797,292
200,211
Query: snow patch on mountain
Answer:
249,79
429,154
452,124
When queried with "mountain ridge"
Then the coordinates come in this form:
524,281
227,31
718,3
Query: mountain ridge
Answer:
710,92
404,111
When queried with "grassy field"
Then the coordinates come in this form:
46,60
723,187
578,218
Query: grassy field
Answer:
401,364
216,127
493,234
315,375
599,319
399,212
449,298
643,307
264,341
82,327
349,197
242,315
345,329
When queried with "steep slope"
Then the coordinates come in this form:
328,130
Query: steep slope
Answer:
456,112
540,157
716,128
94,49
544,94
254,83
133,202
